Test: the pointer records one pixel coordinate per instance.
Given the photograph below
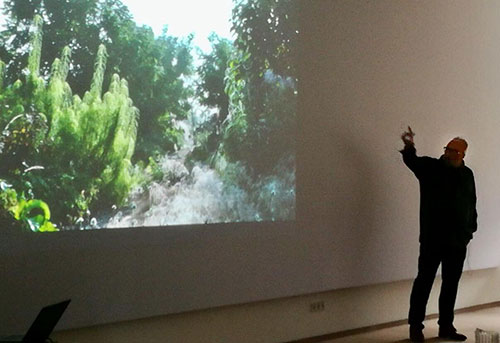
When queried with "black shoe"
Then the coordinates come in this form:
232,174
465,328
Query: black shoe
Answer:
416,334
451,334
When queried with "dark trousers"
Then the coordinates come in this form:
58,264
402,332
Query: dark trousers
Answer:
452,262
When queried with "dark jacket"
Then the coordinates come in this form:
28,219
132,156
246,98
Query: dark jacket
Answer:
448,213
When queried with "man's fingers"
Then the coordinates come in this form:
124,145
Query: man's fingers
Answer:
407,136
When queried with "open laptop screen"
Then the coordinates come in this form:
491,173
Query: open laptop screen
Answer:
42,326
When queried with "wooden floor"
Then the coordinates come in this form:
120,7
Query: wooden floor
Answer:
465,322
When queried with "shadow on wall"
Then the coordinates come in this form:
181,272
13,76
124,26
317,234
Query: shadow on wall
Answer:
345,192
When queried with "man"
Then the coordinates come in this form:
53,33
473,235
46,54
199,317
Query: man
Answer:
448,218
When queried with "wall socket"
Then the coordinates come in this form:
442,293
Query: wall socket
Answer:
317,306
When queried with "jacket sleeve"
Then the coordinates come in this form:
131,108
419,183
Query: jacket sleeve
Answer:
412,161
473,220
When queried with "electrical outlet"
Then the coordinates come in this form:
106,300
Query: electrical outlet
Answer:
317,306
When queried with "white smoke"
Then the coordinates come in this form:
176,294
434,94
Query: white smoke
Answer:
200,197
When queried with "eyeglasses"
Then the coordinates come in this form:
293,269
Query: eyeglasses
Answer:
453,150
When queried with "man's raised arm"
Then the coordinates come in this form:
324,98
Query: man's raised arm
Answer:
409,152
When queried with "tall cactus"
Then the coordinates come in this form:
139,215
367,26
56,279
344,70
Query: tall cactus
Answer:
2,74
36,46
100,68
60,67
59,93
65,62
88,141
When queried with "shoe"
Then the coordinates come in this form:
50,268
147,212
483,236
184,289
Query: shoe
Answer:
451,334
416,334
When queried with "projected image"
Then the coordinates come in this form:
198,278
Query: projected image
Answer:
115,116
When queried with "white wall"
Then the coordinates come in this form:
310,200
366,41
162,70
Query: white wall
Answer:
369,68
288,319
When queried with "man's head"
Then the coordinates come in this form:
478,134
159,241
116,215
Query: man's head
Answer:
454,152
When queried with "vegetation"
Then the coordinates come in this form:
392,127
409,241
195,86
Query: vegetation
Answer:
261,83
255,122
211,93
92,113
17,212
155,68
252,85
54,143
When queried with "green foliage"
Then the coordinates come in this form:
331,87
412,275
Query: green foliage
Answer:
212,72
154,170
74,152
30,214
2,74
207,141
156,68
261,84
273,195
66,142
236,129
161,93
211,92
36,47
268,31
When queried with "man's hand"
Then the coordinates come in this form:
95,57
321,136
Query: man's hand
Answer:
407,137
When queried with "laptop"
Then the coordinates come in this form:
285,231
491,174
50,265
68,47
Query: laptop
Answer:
43,325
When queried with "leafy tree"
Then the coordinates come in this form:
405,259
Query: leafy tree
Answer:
74,153
156,68
210,90
268,31
212,71
75,25
261,84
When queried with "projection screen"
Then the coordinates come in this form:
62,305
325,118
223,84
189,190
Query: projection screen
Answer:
115,115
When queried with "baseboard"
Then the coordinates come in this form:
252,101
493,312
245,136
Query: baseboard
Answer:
370,328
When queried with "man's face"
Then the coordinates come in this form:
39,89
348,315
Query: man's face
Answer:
454,152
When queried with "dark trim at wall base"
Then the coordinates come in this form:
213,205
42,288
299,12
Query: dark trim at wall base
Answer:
371,328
